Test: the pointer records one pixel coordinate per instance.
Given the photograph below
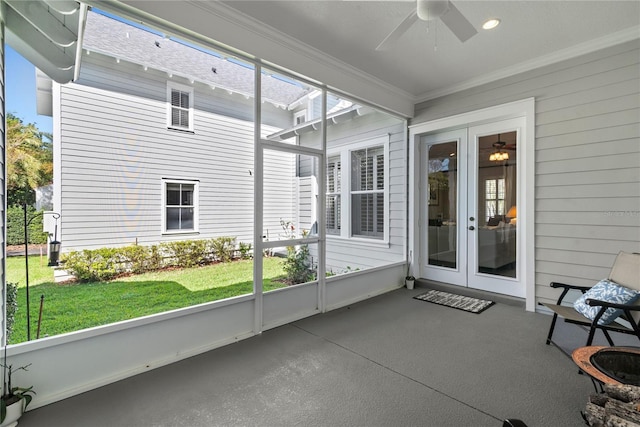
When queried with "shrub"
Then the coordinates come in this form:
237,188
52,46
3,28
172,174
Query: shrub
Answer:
223,248
296,265
245,250
105,264
94,265
12,306
137,258
15,226
186,253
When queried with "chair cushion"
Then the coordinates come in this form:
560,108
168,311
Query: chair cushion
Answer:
605,290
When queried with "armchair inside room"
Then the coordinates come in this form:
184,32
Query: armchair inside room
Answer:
497,241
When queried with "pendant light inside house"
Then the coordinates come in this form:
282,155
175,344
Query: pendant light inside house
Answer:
499,155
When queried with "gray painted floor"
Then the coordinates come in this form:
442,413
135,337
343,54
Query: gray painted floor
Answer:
388,361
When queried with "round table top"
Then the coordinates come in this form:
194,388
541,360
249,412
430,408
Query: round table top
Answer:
582,357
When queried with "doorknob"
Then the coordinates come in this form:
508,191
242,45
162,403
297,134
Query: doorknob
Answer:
471,227
472,218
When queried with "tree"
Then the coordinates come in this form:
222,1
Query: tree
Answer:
29,160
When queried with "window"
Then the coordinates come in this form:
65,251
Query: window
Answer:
180,208
357,195
299,117
180,107
494,197
334,176
367,192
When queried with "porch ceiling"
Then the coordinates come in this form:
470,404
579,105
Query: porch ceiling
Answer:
428,60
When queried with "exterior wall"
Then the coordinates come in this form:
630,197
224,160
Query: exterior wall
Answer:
115,149
587,165
352,253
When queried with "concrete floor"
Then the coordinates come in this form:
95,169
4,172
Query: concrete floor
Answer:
388,361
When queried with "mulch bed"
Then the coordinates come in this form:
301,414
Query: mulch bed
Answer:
34,249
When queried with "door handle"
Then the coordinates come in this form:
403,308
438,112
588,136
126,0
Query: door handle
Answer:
471,227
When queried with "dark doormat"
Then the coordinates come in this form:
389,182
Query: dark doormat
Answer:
461,302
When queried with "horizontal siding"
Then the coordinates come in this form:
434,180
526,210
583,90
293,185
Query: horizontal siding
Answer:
116,149
587,136
104,72
345,254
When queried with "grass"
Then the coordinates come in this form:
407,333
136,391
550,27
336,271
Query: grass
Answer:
71,307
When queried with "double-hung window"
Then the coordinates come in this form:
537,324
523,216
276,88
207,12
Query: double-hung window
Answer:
357,190
180,206
179,106
367,192
494,191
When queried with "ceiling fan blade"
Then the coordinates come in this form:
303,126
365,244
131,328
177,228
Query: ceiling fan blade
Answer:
393,37
458,24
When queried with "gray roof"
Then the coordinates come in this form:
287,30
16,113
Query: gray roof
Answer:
125,41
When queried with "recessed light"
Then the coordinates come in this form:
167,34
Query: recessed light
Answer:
491,24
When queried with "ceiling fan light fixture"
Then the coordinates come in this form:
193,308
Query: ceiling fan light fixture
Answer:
431,9
490,24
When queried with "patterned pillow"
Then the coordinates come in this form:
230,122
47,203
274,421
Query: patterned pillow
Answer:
605,290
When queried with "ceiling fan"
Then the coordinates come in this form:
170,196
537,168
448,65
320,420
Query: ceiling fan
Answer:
429,10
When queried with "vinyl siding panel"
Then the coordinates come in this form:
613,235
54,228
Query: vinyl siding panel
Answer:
104,72
345,254
116,149
587,165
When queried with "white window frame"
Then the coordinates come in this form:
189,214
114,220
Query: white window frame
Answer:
196,205
496,200
297,115
171,86
337,230
345,195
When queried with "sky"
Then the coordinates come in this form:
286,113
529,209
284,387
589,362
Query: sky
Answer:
21,90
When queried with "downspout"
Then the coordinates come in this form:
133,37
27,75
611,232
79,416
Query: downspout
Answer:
407,248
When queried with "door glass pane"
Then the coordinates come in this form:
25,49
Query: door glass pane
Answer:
496,197
442,204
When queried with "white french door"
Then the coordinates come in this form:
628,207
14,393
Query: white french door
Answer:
468,209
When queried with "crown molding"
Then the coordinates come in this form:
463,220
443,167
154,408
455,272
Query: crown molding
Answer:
627,35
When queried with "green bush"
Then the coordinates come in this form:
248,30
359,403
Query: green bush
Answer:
137,259
186,253
223,248
15,226
91,265
245,250
296,265
107,263
12,306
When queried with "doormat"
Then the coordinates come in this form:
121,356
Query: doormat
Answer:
472,305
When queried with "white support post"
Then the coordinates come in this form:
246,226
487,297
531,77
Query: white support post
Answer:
258,198
321,210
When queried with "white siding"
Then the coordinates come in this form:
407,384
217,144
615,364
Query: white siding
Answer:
587,158
105,73
116,148
344,253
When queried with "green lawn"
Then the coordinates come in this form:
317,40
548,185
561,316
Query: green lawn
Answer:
71,307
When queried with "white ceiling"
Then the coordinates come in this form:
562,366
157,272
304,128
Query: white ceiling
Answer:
532,33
